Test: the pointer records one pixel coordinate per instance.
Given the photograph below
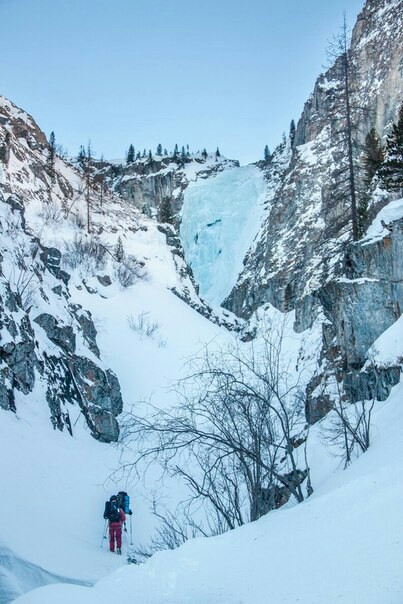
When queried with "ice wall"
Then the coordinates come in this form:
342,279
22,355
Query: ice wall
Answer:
220,218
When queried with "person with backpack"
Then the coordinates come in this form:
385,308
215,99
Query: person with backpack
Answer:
116,517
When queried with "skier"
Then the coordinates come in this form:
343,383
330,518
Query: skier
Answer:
116,517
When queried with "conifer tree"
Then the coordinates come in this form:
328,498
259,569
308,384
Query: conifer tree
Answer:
150,155
159,150
165,152
391,172
119,251
176,150
217,153
373,155
138,156
266,153
204,153
165,211
292,132
4,148
130,155
81,157
183,152
51,156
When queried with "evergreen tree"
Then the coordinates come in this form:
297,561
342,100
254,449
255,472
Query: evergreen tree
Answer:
372,155
165,152
144,153
266,153
4,148
176,151
150,155
204,153
159,150
292,132
183,153
51,156
187,151
288,298
130,155
119,251
391,172
81,156
138,156
165,211
217,153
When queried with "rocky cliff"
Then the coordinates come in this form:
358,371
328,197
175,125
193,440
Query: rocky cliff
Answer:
303,257
146,182
47,342
59,236
301,243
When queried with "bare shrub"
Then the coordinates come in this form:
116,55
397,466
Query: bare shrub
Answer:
128,271
143,324
233,435
347,428
79,220
85,252
51,213
174,529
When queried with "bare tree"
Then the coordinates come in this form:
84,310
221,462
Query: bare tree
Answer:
346,111
233,434
88,182
348,427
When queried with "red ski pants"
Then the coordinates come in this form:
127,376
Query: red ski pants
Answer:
115,532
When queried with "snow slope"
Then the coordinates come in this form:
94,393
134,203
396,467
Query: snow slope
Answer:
54,486
220,217
344,544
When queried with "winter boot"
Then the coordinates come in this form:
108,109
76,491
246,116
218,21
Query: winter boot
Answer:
119,551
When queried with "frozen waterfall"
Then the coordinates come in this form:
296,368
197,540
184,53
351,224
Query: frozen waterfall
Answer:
220,218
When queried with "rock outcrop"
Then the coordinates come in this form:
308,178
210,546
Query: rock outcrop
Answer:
301,244
147,182
45,344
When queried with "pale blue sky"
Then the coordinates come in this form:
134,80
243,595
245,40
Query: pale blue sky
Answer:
230,73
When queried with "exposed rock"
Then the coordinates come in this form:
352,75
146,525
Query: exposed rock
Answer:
104,280
301,243
147,182
51,257
100,397
62,336
358,309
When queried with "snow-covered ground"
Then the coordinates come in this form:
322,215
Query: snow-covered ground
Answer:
344,544
220,218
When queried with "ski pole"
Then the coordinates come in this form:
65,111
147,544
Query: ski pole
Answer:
104,533
131,531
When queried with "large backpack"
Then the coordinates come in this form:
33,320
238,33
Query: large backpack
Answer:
112,511
124,501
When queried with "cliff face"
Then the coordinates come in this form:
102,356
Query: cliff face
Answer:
300,245
303,257
147,182
48,343
48,251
